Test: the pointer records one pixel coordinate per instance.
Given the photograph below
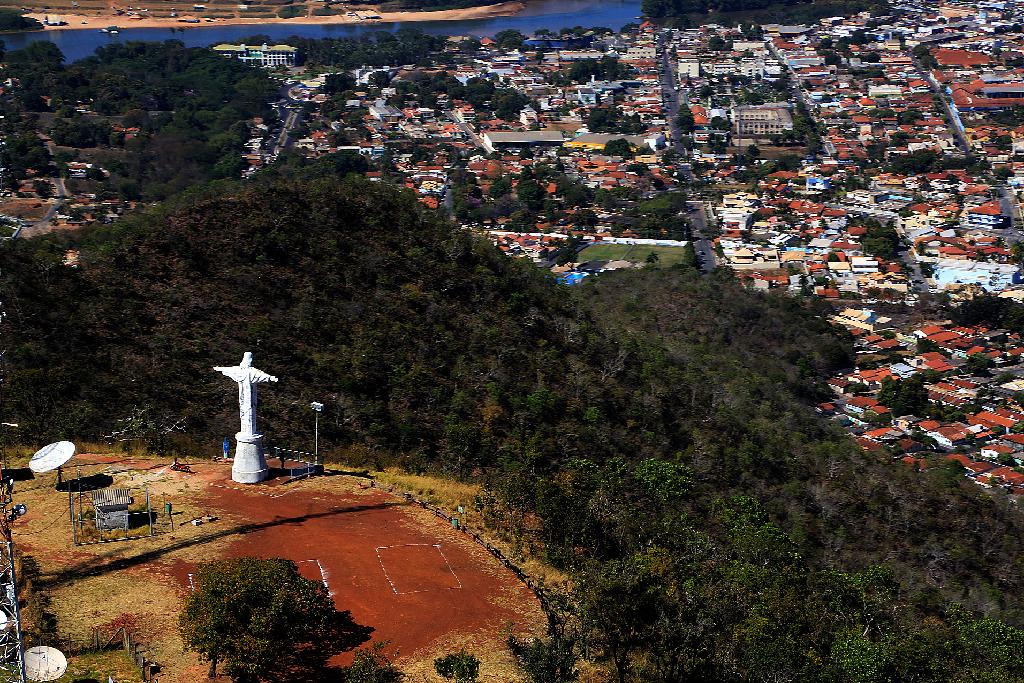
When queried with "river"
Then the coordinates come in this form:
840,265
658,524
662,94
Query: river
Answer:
550,14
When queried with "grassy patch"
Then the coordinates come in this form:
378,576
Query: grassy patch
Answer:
435,490
97,666
637,253
291,11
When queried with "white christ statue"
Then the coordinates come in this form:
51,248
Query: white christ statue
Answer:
249,466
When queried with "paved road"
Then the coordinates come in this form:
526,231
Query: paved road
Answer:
705,248
468,130
43,225
669,94
1008,202
796,83
916,276
958,132
292,119
284,138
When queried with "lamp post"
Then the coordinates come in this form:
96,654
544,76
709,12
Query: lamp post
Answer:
317,409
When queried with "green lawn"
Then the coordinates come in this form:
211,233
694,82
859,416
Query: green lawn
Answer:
97,666
667,256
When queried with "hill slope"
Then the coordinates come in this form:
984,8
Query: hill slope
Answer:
650,432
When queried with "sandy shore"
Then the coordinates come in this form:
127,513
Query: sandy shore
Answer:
98,21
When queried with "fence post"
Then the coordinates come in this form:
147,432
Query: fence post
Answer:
71,516
149,511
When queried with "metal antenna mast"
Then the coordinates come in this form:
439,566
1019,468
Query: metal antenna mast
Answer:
12,651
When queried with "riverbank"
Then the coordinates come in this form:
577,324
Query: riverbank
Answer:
126,23
78,42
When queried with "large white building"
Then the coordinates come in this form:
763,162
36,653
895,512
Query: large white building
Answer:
264,55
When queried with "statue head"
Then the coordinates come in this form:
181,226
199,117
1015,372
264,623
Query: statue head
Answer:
247,360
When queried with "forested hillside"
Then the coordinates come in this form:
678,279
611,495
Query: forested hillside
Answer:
651,433
159,117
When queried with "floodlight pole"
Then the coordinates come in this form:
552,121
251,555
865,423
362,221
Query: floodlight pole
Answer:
317,409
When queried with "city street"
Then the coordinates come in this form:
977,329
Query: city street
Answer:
292,113
670,96
702,246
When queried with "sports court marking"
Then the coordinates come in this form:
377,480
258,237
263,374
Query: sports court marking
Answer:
391,580
323,575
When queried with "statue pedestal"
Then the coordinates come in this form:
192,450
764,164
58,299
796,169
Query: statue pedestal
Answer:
249,467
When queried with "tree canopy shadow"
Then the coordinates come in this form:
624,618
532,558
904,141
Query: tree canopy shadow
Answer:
312,659
92,482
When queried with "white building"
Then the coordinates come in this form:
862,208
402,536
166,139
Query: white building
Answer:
264,55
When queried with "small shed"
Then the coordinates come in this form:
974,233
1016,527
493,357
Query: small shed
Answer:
111,507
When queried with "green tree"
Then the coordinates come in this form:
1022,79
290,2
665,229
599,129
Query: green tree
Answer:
16,21
924,55
371,665
619,147
880,240
529,191
978,364
904,396
509,39
546,661
618,612
257,616
500,187
684,119
507,103
43,188
460,667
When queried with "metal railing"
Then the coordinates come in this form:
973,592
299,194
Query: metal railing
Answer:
310,466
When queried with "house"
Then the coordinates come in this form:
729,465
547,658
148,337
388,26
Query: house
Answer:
997,451
988,216
949,436
860,405
382,111
495,140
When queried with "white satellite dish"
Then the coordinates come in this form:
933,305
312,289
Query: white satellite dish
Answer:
44,663
52,457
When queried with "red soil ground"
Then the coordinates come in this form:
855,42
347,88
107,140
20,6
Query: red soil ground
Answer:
417,569
416,581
